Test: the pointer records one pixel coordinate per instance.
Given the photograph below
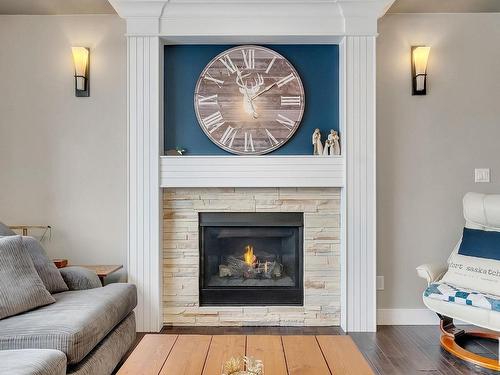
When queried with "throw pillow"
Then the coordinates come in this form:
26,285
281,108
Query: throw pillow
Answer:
476,265
5,230
46,269
21,289
480,243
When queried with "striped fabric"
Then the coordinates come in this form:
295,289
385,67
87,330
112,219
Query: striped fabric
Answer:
32,362
5,230
79,278
21,289
46,269
105,356
75,324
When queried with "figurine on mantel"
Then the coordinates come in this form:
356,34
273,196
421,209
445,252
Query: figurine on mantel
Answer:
178,151
316,141
332,145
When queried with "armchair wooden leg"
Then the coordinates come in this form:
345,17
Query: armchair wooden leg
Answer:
449,335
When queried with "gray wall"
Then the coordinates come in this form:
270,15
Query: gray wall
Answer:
428,147
62,158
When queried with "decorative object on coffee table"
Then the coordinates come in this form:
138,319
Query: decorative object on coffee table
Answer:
103,270
243,366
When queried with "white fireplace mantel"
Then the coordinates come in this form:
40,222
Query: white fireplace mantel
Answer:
153,23
252,171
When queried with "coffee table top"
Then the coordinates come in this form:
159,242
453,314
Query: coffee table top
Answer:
204,354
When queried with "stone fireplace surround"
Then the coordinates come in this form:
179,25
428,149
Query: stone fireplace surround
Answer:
321,208
350,23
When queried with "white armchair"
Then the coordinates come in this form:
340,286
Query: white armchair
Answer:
432,271
481,211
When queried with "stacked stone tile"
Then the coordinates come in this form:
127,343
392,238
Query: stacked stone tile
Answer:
321,209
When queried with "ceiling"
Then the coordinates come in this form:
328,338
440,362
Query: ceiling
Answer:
55,7
445,6
103,7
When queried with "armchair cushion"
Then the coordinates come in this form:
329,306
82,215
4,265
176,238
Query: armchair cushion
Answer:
462,296
79,278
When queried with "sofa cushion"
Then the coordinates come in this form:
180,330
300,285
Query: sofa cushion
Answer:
75,324
21,289
79,278
32,362
103,359
46,269
5,230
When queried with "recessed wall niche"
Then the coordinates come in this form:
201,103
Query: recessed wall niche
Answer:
317,65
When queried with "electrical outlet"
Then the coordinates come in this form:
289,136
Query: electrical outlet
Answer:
380,282
482,175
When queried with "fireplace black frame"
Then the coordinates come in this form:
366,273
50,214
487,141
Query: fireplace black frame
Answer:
253,296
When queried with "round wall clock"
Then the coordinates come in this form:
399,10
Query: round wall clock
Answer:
249,100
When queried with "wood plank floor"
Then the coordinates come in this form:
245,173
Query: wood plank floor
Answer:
282,355
392,350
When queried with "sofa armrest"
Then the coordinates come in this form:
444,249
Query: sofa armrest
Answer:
432,272
79,278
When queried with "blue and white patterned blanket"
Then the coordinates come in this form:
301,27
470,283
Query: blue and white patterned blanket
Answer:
462,296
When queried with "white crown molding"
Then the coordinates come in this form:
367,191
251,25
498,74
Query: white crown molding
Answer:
253,18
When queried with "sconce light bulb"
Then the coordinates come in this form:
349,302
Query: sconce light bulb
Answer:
81,59
420,57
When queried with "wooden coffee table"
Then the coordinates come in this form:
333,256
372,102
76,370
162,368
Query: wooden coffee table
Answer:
281,355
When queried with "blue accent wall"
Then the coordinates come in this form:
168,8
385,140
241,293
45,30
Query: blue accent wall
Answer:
317,65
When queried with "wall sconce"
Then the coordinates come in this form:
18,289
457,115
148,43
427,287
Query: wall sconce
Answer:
81,60
419,57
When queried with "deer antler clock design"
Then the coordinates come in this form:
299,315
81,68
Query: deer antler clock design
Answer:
249,100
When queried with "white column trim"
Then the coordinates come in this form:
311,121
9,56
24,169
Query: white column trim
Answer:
360,189
144,194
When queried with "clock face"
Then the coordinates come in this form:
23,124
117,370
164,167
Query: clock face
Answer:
249,100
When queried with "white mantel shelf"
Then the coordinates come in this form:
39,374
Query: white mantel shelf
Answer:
252,171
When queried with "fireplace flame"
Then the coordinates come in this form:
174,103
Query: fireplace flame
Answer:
248,256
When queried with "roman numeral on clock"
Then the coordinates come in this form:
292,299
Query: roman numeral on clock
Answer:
218,82
270,64
228,63
207,100
285,121
213,122
290,100
248,142
273,141
249,58
228,136
283,81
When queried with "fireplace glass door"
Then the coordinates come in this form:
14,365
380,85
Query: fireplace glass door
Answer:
251,258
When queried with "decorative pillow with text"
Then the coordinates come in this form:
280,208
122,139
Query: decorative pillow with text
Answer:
476,265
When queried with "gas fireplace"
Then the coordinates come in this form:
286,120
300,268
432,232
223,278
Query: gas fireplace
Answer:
251,259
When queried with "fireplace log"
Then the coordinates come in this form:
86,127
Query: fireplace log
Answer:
224,271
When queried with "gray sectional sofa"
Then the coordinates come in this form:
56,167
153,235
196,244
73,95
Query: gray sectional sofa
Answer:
86,330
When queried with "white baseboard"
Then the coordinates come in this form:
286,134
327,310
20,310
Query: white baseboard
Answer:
387,317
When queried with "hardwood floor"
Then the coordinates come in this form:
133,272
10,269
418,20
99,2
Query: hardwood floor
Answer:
392,350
